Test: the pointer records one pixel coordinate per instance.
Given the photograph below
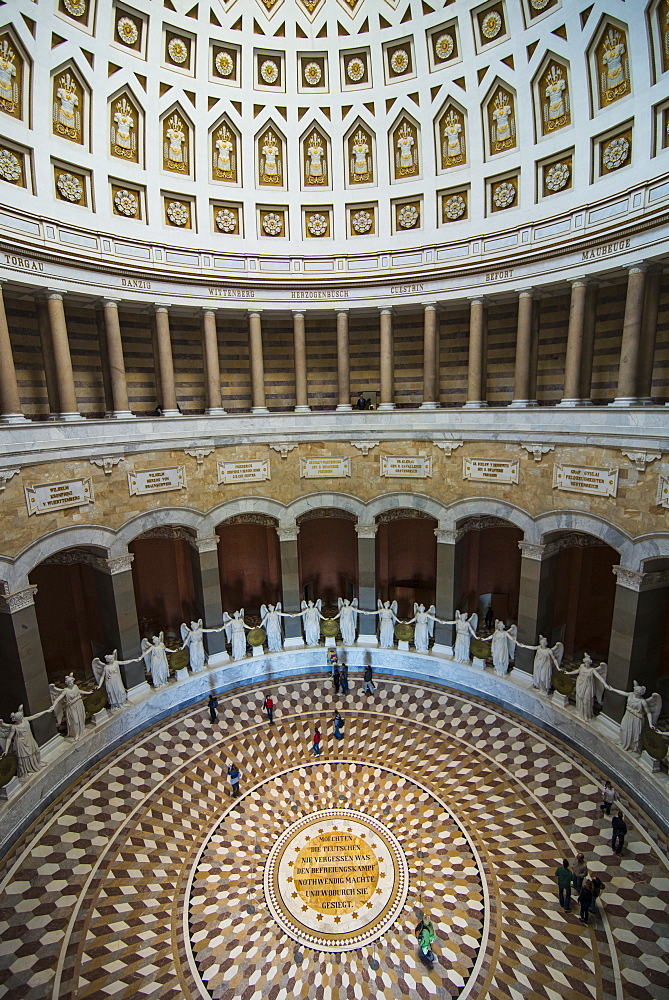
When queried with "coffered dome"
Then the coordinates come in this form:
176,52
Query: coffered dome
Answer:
319,129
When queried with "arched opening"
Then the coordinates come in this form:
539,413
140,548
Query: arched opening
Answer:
406,558
69,613
249,562
163,580
584,593
327,548
488,567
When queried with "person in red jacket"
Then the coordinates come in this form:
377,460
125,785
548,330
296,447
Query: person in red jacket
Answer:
268,705
317,742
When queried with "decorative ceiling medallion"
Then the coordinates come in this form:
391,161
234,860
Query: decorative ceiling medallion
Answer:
178,50
616,153
539,4
336,880
272,224
10,166
126,203
557,176
504,194
455,207
355,69
226,220
399,61
313,74
407,216
269,71
178,213
70,187
491,25
444,46
317,224
362,221
310,5
225,64
77,8
127,30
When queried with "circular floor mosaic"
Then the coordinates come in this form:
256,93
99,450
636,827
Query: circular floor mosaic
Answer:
145,879
336,880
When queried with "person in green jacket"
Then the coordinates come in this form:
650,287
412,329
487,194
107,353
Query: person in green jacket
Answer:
564,878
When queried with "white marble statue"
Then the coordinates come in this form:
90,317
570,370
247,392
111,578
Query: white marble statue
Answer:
271,615
193,639
465,629
235,632
311,621
17,733
68,702
502,646
108,672
387,613
590,684
545,658
348,619
155,657
639,710
424,630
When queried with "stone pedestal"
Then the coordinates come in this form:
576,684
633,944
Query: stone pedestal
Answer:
649,763
330,642
181,675
561,700
403,646
99,717
258,650
10,788
479,663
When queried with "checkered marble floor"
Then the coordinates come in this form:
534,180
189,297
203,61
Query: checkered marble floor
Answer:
144,879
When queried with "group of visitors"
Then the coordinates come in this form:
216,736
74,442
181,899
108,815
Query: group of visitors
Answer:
587,885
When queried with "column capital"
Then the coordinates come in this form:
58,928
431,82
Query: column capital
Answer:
53,293
254,312
385,310
476,298
20,599
640,582
288,534
298,312
430,305
205,310
446,536
527,293
207,544
118,564
640,268
108,301
532,550
366,530
163,308
583,280
342,309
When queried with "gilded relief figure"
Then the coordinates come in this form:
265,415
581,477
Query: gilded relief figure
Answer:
175,152
614,69
9,86
66,114
225,154
361,167
270,159
315,160
453,149
503,127
556,112
406,155
123,138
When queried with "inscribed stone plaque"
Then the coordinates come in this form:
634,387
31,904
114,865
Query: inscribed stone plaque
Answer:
157,480
44,497
585,479
663,491
399,467
487,470
325,468
243,472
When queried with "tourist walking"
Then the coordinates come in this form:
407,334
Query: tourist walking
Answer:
317,742
369,686
580,871
336,678
234,775
338,723
213,705
564,879
268,705
609,796
585,900
597,886
343,678
619,828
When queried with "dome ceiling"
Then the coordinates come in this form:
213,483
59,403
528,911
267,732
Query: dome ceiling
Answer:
324,126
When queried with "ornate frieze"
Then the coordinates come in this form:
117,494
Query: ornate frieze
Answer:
20,599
